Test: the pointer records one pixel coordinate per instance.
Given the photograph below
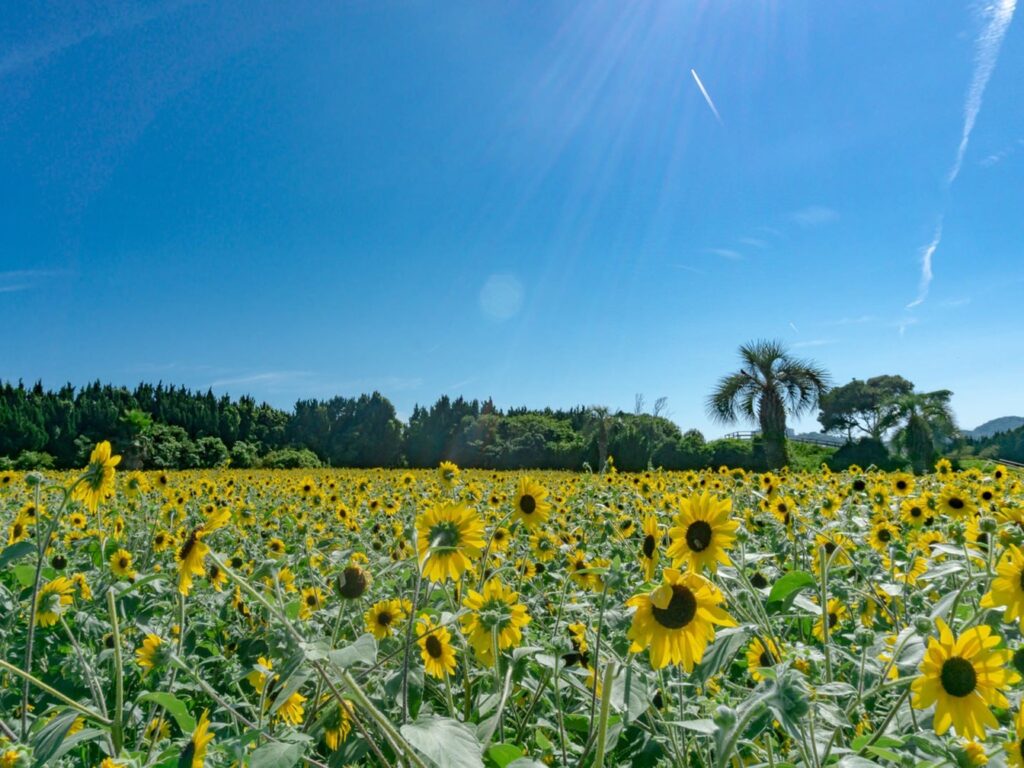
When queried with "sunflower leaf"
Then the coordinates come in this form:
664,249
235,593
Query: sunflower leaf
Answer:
444,742
786,589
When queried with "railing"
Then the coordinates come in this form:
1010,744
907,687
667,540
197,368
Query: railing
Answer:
795,439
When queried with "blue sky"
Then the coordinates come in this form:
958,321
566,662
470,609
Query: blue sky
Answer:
529,201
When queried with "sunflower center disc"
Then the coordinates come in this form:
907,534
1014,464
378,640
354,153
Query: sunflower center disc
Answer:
958,677
956,503
527,504
698,536
433,646
444,535
680,610
649,544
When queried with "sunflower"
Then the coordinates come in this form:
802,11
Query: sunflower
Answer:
148,655
837,614
97,479
837,550
531,506
449,538
337,726
495,611
677,620
761,655
435,647
259,676
383,618
955,503
883,535
193,551
194,753
121,564
353,581
1015,748
53,599
448,474
914,512
901,483
190,556
649,554
1007,588
702,533
311,600
291,710
963,677
544,546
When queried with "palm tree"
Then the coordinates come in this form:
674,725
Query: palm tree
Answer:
599,424
770,384
924,420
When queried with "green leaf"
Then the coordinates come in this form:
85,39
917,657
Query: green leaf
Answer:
719,654
362,651
700,726
444,742
48,740
16,551
276,754
500,755
786,589
25,574
175,708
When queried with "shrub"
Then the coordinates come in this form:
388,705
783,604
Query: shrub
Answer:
28,460
864,453
291,458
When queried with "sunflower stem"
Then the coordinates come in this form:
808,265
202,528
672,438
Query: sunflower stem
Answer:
606,700
117,728
90,713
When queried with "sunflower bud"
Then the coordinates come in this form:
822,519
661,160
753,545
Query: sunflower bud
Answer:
725,717
923,626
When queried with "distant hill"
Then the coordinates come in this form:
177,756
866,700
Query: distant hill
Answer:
994,427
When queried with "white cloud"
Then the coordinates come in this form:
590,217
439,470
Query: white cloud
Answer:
726,253
815,216
926,267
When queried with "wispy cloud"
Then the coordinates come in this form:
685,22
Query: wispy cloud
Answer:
997,157
998,15
688,268
905,323
24,279
859,320
38,51
264,378
955,303
926,267
753,242
725,253
707,96
814,216
814,343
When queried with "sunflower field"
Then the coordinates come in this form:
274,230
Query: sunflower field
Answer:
468,618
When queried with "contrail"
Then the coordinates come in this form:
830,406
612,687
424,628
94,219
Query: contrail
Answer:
999,14
991,39
707,98
926,267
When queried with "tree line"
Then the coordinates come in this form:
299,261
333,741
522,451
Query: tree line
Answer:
168,427
886,423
